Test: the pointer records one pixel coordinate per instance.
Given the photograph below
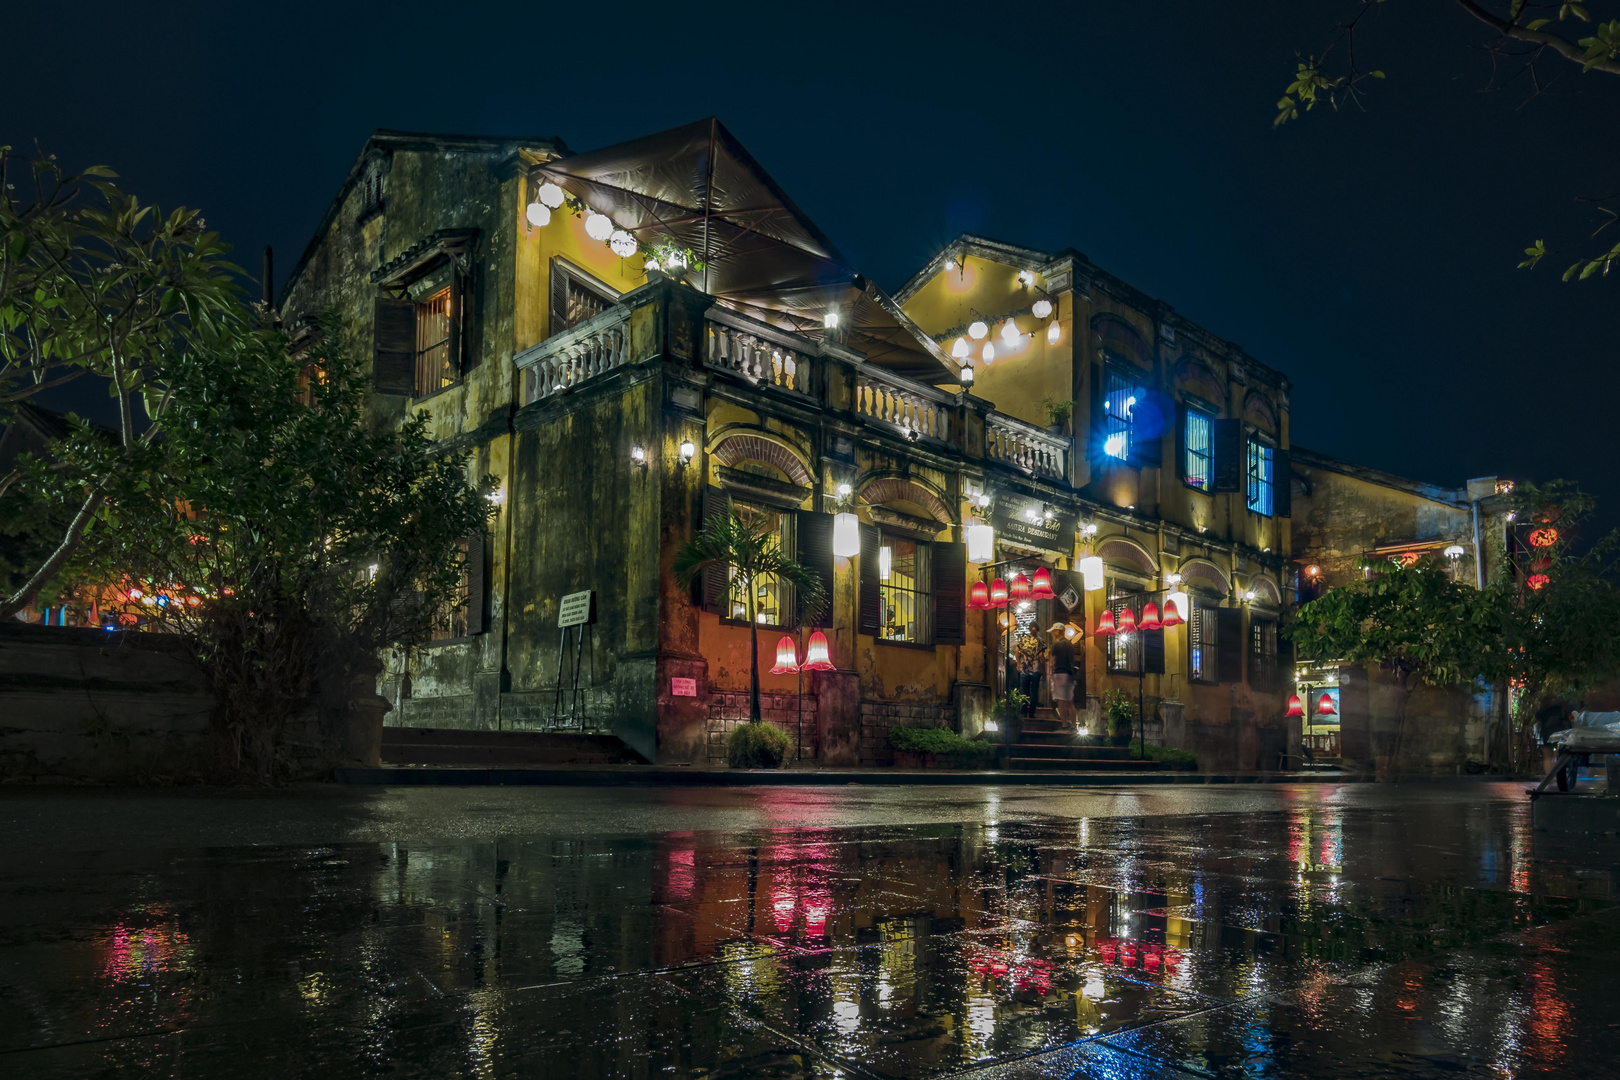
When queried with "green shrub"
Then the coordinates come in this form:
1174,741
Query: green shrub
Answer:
1169,755
1120,714
758,746
941,742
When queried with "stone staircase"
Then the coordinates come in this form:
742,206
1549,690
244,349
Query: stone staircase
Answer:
1043,743
496,749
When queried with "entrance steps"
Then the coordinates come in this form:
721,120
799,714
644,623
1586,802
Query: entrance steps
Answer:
1045,743
456,746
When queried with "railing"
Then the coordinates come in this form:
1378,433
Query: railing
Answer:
597,345
757,351
1025,446
915,408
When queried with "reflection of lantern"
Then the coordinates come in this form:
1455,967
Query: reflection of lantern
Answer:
1150,616
1296,707
1324,706
1543,538
998,593
787,657
1042,588
846,535
1127,621
1091,568
979,596
1005,620
1172,609
1019,589
1105,624
1537,581
815,654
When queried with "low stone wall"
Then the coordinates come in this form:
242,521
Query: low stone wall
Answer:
877,717
729,709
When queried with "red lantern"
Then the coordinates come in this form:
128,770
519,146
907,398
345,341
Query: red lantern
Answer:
998,593
1172,614
1127,621
1324,706
1105,624
1296,707
787,657
1537,581
1150,616
815,654
1020,587
979,596
1042,588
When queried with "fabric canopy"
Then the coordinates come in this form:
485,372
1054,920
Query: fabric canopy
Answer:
699,188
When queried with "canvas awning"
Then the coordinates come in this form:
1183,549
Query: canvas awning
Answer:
699,188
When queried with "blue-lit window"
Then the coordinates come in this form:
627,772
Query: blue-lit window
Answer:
1260,477
1200,442
1119,402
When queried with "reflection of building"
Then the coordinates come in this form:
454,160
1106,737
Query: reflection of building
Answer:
502,287
1346,516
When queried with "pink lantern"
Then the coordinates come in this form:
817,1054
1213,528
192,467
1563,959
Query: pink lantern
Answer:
787,657
815,654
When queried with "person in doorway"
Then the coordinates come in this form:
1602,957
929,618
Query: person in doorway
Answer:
1029,673
1063,680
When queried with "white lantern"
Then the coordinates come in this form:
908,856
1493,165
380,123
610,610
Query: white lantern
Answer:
981,543
961,348
598,226
1009,332
829,321
977,330
846,535
966,378
1053,333
1042,309
989,352
885,562
1026,278
1091,568
550,194
538,215
1183,605
622,244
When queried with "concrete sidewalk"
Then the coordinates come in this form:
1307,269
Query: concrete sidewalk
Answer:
697,776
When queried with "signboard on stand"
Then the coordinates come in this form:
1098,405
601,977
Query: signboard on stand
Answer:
576,609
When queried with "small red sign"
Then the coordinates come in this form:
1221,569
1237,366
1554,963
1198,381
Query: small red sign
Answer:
683,687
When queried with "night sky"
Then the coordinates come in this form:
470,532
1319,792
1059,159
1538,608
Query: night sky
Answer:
1370,256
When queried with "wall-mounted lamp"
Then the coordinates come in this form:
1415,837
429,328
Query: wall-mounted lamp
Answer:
966,378
950,264
638,456
1248,596
1172,580
845,491
1026,278
688,452
829,321
497,496
1455,551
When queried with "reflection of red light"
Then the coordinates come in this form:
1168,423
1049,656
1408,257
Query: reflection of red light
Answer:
1106,950
815,921
1537,581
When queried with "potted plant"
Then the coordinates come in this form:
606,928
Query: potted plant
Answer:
1057,414
1119,711
938,748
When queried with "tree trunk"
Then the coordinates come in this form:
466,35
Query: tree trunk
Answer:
753,656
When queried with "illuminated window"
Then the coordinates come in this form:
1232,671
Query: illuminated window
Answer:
773,599
1125,650
904,576
575,296
1200,441
1262,652
1260,477
1119,404
1201,640
450,621
433,372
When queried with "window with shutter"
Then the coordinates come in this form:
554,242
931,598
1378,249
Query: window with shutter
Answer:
450,620
1229,645
1228,455
814,535
905,583
950,594
576,296
1283,490
393,366
870,614
478,551
716,504
773,598
1198,449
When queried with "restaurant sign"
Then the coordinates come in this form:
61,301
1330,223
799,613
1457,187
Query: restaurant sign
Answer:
1011,520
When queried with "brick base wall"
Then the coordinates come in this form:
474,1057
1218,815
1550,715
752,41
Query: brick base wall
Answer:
728,710
877,717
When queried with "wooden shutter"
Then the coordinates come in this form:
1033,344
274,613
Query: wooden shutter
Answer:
558,320
393,364
1227,446
1147,450
1282,484
716,504
1228,645
1098,435
477,576
950,593
1153,652
870,619
454,322
816,555
1180,443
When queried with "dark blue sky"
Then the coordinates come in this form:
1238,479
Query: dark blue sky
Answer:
1369,256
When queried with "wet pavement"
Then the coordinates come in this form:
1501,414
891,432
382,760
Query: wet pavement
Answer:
1319,930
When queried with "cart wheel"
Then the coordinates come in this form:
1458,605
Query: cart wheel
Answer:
1565,777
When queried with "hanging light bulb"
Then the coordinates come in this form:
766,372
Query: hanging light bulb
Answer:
538,214
989,352
1054,333
1091,568
846,535
550,194
1041,308
598,226
979,596
622,244
1150,617
1296,707
1009,333
998,593
787,657
1105,624
1324,706
960,348
1041,588
977,330
815,654
981,542
1127,621
1018,588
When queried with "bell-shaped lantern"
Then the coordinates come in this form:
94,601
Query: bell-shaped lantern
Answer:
1172,614
1041,588
787,657
815,654
1296,707
1324,706
1150,616
1127,621
1018,588
979,596
846,535
1105,624
998,593
1183,608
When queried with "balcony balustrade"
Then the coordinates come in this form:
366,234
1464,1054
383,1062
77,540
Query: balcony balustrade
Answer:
757,351
594,347
916,409
1025,446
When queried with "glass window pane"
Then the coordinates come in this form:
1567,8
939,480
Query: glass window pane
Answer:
904,581
1259,477
1199,440
1119,404
773,599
